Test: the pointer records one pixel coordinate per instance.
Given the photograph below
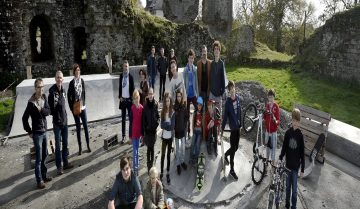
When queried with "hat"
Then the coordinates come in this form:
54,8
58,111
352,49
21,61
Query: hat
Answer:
200,100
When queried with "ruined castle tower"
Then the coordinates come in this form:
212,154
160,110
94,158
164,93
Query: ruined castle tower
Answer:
218,15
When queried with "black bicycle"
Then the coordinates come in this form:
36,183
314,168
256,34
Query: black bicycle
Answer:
278,185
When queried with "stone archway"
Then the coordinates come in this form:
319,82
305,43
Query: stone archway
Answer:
79,37
41,39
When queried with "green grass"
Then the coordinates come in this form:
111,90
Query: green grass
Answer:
340,101
263,52
6,108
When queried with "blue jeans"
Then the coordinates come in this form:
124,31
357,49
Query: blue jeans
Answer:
152,78
196,141
83,117
180,150
271,152
40,144
135,145
291,185
61,135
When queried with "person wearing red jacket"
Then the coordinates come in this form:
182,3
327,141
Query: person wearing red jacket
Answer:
272,122
212,123
135,131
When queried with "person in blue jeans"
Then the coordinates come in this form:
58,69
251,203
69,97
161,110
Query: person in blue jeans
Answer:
151,67
38,108
76,92
126,90
197,131
57,106
293,150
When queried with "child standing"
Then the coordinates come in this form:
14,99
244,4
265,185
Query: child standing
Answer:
150,122
272,121
232,113
293,150
167,124
181,119
197,131
136,129
212,121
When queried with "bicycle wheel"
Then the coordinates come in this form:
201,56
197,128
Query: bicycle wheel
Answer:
271,199
258,171
250,114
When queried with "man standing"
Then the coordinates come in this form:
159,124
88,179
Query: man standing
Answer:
151,67
171,57
57,106
191,84
126,89
203,73
38,108
217,77
162,67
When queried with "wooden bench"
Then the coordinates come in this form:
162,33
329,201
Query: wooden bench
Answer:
110,141
313,123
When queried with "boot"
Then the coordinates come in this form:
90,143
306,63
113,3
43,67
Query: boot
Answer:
80,150
88,146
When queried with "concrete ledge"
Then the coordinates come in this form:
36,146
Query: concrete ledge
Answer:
343,140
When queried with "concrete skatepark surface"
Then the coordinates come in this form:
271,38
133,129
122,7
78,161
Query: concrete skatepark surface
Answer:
336,184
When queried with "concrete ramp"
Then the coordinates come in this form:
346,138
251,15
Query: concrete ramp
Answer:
101,98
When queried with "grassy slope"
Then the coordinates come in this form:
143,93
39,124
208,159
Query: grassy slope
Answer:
341,102
5,111
263,52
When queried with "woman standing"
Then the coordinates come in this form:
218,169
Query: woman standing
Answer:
76,100
144,86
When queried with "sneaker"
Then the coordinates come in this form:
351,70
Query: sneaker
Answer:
226,161
123,140
60,172
233,174
41,185
168,178
179,169
47,179
68,166
184,166
161,175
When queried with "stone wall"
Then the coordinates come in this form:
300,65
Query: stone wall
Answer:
241,43
181,11
334,49
218,16
99,27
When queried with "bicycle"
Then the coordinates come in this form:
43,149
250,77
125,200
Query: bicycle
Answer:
250,118
278,185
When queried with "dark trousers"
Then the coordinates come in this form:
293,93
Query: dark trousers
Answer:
193,101
40,144
234,145
291,188
150,156
205,99
130,206
211,142
61,137
162,86
166,143
83,118
126,106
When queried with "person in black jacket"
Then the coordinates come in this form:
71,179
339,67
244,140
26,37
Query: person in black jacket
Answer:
150,122
151,67
162,67
181,119
232,113
57,106
76,92
293,150
171,57
126,89
38,108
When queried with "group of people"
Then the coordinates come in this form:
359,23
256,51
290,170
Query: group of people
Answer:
39,107
202,85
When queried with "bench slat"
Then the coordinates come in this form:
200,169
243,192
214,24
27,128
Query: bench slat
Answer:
312,111
315,118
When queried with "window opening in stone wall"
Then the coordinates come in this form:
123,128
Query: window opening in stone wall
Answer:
41,39
80,45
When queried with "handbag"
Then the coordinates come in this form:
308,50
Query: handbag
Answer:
77,108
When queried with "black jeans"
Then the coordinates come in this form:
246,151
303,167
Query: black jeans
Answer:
162,85
166,143
150,156
83,118
234,145
193,101
125,106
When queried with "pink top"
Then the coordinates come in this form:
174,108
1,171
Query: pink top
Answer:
136,114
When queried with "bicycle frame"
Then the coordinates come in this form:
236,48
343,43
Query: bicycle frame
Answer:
277,187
